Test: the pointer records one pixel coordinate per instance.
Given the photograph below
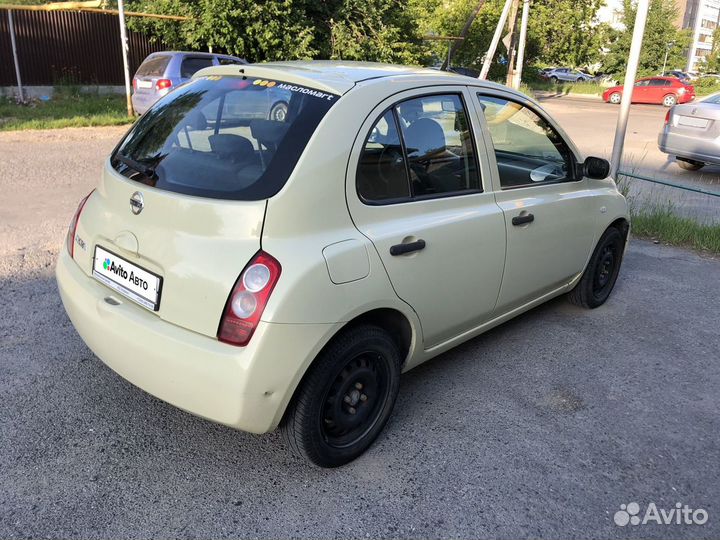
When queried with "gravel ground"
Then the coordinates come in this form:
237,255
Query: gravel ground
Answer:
540,428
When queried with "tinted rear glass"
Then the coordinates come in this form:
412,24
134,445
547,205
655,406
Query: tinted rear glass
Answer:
222,137
153,67
192,65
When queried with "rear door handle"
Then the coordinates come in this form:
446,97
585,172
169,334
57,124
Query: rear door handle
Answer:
522,219
402,249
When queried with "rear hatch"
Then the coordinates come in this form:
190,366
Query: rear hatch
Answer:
149,72
181,202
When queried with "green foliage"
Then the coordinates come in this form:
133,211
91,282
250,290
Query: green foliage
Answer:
712,61
661,35
560,32
379,30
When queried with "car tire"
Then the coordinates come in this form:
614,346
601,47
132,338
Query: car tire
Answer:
554,79
579,79
345,399
599,278
689,165
615,98
278,112
670,100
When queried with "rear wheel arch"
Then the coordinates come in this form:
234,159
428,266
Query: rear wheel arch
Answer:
394,322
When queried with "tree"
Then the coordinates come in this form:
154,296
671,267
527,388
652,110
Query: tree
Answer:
379,30
660,35
560,32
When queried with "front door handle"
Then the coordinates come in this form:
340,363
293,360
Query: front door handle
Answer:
402,249
522,219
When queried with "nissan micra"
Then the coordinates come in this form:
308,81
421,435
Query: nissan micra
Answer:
262,273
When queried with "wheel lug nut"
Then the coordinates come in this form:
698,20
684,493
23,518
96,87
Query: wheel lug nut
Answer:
347,399
359,386
352,410
363,397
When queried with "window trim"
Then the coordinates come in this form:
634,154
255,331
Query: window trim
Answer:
572,175
420,198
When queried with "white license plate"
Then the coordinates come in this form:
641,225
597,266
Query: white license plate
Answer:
130,280
692,121
144,84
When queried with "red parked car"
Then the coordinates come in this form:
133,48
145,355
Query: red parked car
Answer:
660,90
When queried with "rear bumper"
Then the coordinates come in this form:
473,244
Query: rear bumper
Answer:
142,102
688,147
246,388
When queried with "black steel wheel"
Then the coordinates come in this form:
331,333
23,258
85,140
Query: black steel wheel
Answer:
602,271
346,397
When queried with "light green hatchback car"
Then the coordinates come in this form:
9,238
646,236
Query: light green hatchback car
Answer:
264,273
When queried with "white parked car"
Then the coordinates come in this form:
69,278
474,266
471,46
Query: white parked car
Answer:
261,272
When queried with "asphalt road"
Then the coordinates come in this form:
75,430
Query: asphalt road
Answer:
541,428
591,124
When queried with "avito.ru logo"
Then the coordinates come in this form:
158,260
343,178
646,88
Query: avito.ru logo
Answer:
680,515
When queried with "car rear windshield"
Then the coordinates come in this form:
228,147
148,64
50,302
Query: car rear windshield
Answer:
235,138
153,67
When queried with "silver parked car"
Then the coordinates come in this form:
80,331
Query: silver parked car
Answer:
567,74
691,133
162,71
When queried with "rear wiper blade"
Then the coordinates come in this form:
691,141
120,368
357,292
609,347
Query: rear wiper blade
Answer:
137,166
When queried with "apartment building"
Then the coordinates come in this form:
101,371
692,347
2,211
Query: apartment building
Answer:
702,18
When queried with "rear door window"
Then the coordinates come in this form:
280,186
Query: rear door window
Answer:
213,138
153,67
192,64
420,148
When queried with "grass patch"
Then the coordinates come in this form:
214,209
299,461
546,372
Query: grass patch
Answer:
663,224
587,88
65,109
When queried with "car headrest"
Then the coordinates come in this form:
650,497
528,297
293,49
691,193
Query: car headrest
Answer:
196,121
231,146
268,131
423,136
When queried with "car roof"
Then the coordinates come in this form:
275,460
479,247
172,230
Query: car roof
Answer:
339,76
191,53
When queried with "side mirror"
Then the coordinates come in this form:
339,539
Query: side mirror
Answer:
596,168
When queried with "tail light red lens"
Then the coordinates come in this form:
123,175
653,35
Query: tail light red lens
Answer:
248,298
667,117
134,84
162,84
72,228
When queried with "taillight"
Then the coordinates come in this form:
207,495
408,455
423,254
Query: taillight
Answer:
72,228
134,84
162,84
667,117
248,299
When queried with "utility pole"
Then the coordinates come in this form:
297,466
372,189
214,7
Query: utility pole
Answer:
124,47
11,27
630,74
521,48
512,42
495,40
454,46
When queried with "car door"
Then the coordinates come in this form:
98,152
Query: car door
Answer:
655,90
418,187
548,210
641,91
